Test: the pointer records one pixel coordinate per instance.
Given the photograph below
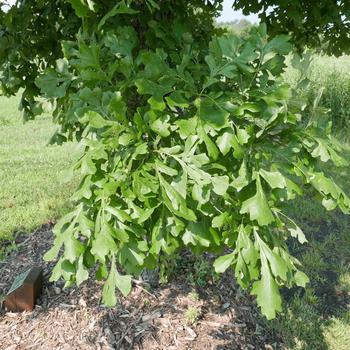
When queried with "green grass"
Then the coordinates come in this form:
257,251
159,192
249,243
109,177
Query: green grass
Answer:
31,192
330,75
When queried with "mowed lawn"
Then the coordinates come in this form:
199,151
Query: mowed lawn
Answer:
31,193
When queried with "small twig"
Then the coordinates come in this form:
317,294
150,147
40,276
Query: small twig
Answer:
25,241
146,291
137,282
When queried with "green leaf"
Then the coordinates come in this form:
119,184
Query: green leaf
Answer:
242,136
301,279
161,126
222,263
163,168
324,185
176,99
212,149
220,220
250,107
103,243
154,63
292,189
336,158
95,120
82,273
117,106
57,271
257,206
246,269
73,248
321,151
132,258
296,231
239,150
329,204
108,293
157,91
152,5
197,234
80,7
120,8
84,189
102,272
224,142
210,112
88,167
120,234
123,283
201,193
120,214
278,44
60,231
174,201
187,127
326,150
52,84
180,184
277,264
267,292
242,180
220,184
121,42
274,178
53,252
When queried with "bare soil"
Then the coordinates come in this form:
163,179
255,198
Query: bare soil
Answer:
75,318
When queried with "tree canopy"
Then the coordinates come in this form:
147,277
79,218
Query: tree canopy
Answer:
188,135
310,23
31,31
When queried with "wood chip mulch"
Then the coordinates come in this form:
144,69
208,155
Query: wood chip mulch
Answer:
75,319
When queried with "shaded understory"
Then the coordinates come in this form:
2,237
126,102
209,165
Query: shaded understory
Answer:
319,316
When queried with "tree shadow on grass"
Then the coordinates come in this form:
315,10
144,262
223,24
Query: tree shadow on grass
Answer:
318,317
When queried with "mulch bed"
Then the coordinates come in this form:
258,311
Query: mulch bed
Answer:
75,319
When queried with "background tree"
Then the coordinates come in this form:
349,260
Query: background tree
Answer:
188,135
310,23
240,27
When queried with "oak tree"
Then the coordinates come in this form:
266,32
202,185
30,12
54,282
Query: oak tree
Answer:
188,135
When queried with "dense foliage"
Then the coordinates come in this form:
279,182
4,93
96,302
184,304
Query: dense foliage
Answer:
188,139
30,36
312,23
